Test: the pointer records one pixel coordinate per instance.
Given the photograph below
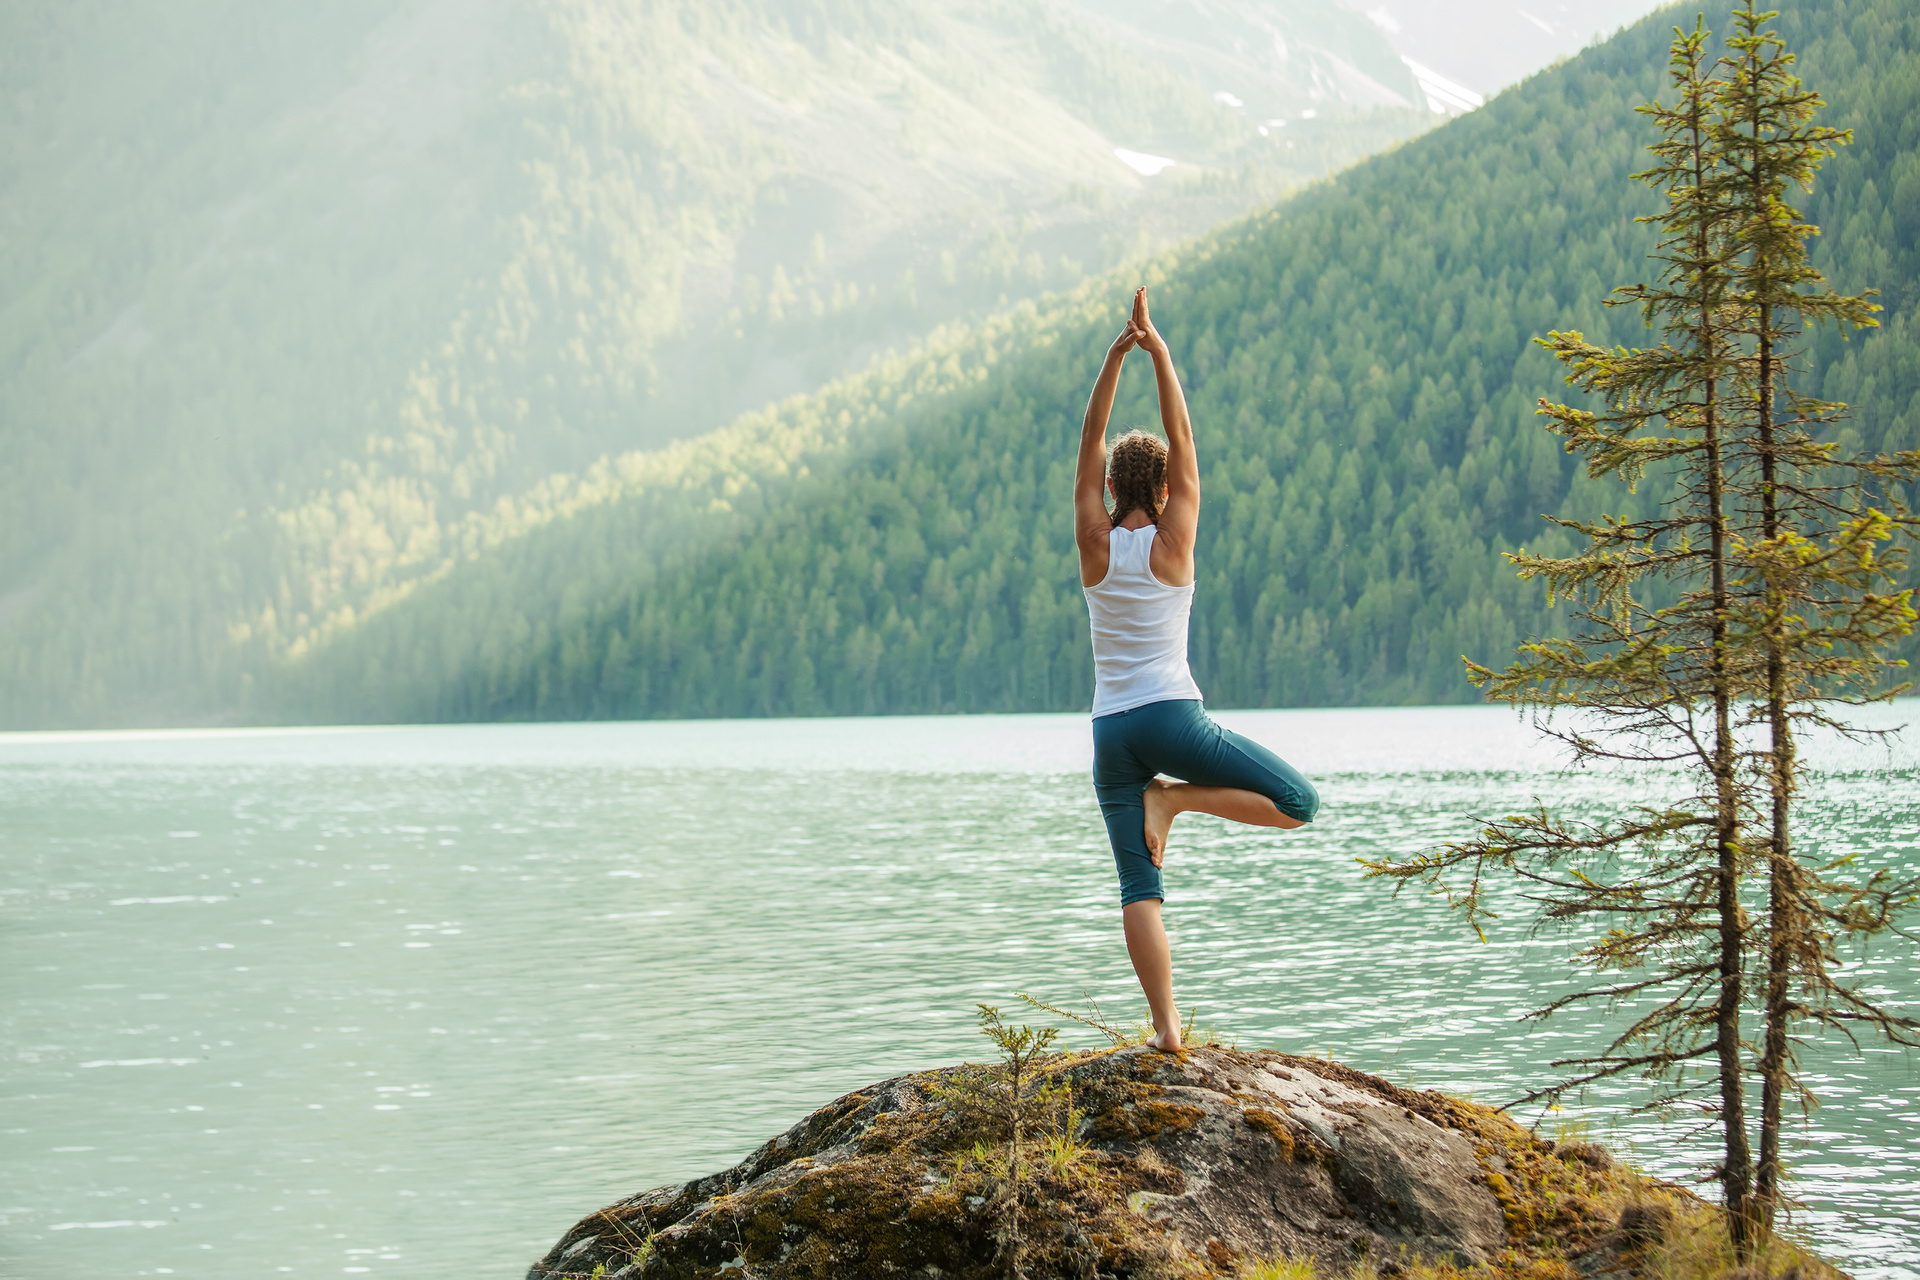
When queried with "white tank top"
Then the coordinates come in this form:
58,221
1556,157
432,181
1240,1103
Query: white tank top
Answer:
1139,628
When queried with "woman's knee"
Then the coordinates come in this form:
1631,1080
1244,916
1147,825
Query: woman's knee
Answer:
1303,802
1265,772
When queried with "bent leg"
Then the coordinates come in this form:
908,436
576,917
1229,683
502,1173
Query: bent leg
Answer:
1165,801
1225,774
1250,807
1227,760
1153,964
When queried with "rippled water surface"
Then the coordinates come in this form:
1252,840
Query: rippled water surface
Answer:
408,1002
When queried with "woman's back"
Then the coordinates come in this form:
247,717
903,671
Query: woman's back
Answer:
1139,626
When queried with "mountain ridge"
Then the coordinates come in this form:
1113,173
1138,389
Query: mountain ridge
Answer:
1362,380
291,300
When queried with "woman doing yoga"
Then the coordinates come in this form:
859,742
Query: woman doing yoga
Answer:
1136,564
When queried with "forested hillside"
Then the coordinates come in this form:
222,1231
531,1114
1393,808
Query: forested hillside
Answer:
301,303
1362,382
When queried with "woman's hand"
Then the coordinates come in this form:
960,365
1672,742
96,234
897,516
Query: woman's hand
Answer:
1128,339
1140,325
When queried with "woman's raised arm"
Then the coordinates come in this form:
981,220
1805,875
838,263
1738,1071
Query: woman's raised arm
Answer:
1091,524
1180,515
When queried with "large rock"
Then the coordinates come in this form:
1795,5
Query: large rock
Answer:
1196,1165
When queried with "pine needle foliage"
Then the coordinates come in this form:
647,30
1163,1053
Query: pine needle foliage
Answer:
1093,1019
1762,591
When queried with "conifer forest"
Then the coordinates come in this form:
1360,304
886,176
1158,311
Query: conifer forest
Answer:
1363,381
522,524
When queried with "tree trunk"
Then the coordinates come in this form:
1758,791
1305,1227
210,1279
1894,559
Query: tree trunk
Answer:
1014,1242
1781,912
1736,1174
1737,1171
1784,925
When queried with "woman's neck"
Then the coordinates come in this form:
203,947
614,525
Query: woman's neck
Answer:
1136,519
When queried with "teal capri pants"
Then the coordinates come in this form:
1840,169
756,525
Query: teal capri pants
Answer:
1178,738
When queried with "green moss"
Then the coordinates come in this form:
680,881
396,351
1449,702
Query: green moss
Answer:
1519,1215
918,1196
1271,1125
1128,1111
1144,1121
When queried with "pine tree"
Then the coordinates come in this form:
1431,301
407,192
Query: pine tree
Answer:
1649,682
1823,606
1761,592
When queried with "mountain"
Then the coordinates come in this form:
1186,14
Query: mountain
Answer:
1362,380
1486,45
300,304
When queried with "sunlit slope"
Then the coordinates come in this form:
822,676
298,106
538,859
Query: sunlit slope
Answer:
299,303
1362,384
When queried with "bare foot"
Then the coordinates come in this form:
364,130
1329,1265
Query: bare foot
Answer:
1161,809
1165,1041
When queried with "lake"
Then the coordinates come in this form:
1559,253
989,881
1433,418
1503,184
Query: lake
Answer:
410,1001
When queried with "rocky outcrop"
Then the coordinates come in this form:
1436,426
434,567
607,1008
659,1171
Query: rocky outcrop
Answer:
1199,1164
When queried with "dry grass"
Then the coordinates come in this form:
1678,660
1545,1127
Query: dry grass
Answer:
1694,1247
1283,1269
1662,1233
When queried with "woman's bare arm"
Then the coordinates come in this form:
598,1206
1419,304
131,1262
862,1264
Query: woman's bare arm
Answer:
1091,523
1179,521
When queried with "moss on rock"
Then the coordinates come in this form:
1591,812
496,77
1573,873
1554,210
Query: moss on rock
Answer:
1196,1165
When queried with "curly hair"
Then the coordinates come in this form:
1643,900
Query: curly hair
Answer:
1137,465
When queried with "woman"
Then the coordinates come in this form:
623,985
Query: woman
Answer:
1136,564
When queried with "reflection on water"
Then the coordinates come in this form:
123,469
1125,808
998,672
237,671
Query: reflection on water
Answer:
389,1000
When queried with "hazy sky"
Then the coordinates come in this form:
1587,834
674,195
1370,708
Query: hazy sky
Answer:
1487,45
